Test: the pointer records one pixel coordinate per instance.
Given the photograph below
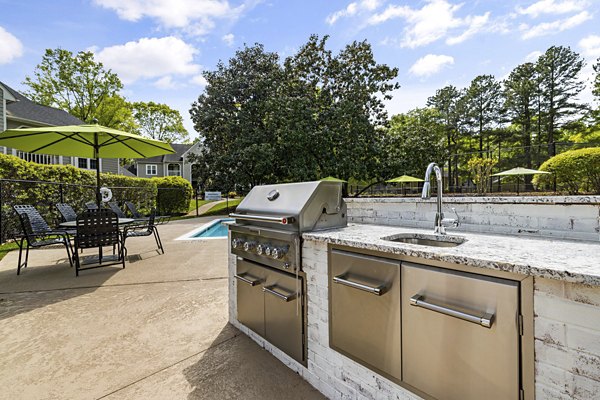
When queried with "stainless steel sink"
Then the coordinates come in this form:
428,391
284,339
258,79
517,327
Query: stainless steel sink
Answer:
426,240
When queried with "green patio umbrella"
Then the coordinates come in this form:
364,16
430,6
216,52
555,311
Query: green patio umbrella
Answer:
518,172
89,141
333,179
404,179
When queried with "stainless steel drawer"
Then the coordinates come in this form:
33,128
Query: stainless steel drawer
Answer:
250,298
283,313
364,310
460,335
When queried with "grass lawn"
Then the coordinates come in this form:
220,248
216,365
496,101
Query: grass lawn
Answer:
221,208
6,247
200,203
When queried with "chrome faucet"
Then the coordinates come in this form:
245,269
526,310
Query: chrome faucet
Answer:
440,222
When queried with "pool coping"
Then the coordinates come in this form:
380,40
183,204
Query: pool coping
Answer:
190,235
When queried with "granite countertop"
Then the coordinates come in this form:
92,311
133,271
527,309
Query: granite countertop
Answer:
571,261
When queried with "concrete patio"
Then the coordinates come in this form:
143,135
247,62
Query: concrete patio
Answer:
154,330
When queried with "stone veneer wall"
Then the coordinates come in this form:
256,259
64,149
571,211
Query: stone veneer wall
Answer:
567,340
560,217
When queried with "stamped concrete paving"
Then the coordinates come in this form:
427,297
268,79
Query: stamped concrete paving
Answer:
154,330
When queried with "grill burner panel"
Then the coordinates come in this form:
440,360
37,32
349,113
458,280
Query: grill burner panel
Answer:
277,249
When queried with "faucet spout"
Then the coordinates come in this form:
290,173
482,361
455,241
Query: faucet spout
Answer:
426,194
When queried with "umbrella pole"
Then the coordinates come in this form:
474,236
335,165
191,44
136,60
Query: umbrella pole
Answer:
98,199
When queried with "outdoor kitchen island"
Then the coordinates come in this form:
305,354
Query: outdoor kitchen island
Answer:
565,332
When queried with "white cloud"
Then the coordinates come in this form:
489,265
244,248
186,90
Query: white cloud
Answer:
475,24
533,56
199,80
195,16
559,25
10,47
150,58
552,7
590,46
166,82
353,9
430,23
228,39
430,64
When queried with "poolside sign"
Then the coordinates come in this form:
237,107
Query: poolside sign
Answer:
212,195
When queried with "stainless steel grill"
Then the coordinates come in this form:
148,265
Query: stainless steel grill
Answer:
266,238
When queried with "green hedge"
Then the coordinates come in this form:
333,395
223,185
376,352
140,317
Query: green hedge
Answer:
76,186
174,195
575,171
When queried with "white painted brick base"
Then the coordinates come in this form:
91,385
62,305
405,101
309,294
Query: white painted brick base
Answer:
567,341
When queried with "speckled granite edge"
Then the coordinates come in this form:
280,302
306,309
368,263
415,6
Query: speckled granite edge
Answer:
488,199
570,261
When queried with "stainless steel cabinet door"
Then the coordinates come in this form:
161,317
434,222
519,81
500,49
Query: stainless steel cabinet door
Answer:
460,337
250,298
364,313
283,313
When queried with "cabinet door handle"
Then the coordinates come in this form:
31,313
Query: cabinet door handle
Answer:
376,290
251,282
284,297
485,319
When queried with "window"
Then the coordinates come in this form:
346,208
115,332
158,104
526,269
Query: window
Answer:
174,170
82,163
151,169
93,163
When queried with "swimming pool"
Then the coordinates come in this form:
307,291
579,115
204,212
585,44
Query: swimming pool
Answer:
216,229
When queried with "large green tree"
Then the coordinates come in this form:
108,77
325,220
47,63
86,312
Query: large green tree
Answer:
413,141
596,84
159,121
449,105
74,83
558,69
333,110
520,100
484,102
234,118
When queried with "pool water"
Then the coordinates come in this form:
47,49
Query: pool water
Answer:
216,229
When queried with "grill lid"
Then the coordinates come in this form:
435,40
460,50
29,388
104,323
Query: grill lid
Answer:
305,205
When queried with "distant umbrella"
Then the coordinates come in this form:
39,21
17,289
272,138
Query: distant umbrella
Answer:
404,179
518,172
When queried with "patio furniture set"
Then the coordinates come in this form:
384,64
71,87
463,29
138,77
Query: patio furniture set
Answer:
94,228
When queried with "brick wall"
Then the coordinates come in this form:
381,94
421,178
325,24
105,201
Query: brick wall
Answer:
567,340
561,217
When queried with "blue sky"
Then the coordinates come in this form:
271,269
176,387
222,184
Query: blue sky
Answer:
159,48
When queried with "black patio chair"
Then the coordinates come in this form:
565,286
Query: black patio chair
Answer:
96,229
91,205
144,229
66,211
114,206
37,233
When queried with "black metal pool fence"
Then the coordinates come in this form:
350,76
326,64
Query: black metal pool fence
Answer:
44,195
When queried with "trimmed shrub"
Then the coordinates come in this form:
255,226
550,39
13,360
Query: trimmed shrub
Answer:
575,171
174,195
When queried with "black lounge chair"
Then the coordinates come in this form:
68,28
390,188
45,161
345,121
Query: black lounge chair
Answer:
37,233
96,229
91,205
144,229
114,206
67,212
135,214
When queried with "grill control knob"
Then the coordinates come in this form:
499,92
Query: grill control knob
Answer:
277,252
249,246
236,243
268,251
260,249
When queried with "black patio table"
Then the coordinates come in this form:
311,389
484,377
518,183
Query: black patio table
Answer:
73,224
